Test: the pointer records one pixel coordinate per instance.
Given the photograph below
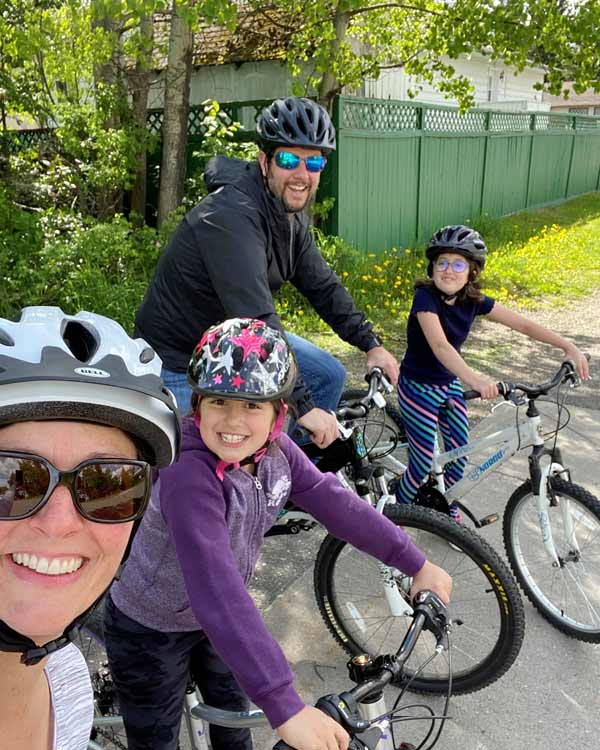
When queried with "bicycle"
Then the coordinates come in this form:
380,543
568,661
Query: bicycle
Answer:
364,603
551,526
362,711
485,594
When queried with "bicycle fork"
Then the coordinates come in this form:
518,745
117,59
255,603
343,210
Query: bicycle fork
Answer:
398,604
540,479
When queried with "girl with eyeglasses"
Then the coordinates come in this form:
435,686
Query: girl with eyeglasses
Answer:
181,602
83,417
432,372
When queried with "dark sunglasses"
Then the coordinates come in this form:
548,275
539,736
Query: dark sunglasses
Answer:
458,266
287,160
108,490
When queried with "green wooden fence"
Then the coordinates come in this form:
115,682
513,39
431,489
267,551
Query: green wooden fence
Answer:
404,169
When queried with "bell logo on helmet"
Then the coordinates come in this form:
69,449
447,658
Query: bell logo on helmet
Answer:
92,372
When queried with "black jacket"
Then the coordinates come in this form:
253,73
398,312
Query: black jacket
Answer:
227,258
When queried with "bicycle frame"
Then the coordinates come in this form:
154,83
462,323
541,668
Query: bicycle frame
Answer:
504,444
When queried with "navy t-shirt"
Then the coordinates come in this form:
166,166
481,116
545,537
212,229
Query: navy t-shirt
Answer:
419,362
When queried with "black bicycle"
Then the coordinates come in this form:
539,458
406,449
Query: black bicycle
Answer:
365,604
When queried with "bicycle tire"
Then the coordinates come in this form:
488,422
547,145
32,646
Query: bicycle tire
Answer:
568,596
486,607
381,435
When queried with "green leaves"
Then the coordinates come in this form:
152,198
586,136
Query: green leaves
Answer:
345,42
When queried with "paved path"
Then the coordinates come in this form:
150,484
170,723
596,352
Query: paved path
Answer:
551,696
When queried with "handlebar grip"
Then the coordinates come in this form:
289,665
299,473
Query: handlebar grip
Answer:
471,394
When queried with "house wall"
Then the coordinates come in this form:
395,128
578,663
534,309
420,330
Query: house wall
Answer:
494,83
233,83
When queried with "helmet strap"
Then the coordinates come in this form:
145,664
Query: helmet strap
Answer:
276,431
31,653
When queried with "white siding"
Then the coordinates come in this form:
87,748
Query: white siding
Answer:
231,83
494,83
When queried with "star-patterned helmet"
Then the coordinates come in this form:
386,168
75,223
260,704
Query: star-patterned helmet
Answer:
243,358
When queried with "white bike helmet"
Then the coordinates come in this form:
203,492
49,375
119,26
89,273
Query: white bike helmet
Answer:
84,366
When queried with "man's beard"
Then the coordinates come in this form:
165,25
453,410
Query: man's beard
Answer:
297,209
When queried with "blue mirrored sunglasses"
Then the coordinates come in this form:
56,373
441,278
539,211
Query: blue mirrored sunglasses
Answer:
287,160
458,266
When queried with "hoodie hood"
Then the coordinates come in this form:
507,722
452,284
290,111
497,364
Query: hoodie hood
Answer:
246,177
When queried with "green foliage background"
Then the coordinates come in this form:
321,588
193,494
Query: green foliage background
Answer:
58,258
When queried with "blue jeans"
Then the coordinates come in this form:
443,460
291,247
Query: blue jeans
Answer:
323,374
177,383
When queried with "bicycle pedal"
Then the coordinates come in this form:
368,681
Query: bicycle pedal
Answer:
487,520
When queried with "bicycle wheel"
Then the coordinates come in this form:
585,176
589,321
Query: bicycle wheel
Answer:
568,596
107,731
486,607
383,434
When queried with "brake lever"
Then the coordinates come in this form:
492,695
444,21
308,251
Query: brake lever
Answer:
435,611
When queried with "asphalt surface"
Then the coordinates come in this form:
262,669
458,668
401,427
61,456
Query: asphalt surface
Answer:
551,696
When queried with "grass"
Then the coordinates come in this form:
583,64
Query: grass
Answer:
544,257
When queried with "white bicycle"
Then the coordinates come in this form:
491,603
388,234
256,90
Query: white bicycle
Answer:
362,711
551,526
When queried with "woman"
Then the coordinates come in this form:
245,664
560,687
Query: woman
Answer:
83,417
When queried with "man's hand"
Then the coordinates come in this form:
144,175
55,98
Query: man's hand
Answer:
432,578
311,729
380,357
321,425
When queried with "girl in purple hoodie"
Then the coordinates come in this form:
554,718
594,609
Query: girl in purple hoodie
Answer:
181,603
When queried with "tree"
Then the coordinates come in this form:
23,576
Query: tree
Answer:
175,112
342,42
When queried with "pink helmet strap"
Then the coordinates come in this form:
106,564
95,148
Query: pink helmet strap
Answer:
222,466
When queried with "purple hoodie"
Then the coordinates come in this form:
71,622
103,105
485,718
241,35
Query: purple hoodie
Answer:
200,539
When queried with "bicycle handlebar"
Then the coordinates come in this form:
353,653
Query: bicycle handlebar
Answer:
566,372
372,676
377,383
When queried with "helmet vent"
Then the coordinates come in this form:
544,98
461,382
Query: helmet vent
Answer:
6,339
147,355
80,340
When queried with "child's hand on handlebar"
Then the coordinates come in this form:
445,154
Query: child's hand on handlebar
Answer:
434,579
322,426
311,729
485,387
579,359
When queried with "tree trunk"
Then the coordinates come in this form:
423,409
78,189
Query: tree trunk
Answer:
329,86
140,85
107,76
174,126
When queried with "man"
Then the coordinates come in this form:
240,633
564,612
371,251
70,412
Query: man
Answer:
240,244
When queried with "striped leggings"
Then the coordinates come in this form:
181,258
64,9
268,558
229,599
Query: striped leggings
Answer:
423,407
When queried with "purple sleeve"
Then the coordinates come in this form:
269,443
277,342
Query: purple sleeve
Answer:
348,517
193,507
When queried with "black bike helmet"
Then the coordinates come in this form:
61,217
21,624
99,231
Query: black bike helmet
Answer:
460,239
295,121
